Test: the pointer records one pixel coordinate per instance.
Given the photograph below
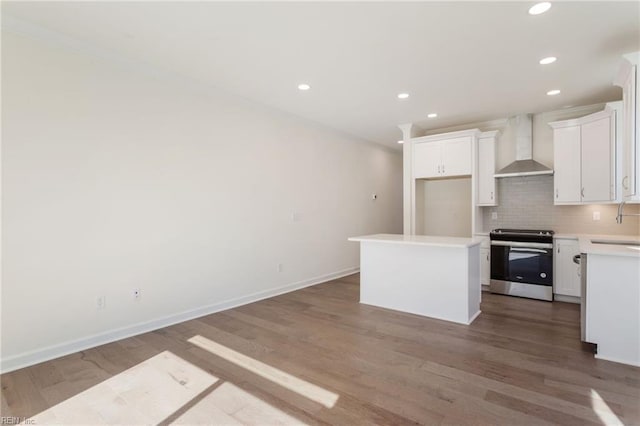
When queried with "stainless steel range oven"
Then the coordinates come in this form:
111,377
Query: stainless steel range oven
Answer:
522,263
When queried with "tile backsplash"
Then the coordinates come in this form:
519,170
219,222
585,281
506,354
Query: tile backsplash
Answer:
527,202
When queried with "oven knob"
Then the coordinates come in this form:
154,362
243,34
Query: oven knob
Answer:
543,275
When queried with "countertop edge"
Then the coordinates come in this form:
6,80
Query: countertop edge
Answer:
584,242
436,242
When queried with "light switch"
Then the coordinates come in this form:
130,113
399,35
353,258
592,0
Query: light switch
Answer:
596,215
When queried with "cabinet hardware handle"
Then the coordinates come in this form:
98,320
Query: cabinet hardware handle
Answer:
556,193
582,192
492,195
443,168
625,182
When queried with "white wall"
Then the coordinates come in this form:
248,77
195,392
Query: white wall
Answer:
114,179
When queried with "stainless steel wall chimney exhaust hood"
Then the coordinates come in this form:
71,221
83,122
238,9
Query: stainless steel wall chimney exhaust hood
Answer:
524,164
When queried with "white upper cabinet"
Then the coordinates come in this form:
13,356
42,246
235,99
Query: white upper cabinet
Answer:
598,159
427,160
629,182
566,165
486,194
456,157
442,158
584,158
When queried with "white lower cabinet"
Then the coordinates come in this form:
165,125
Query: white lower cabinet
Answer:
485,265
566,279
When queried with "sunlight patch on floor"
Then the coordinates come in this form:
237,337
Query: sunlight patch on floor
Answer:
147,393
229,405
294,384
603,411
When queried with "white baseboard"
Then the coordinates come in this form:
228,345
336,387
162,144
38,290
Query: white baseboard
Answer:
37,356
567,299
421,314
476,315
619,361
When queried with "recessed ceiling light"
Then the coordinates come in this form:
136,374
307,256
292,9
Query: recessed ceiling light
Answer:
548,60
403,95
432,115
400,141
304,86
539,8
553,92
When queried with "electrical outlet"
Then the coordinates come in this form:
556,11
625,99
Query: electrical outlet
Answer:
136,294
494,215
101,302
596,215
279,267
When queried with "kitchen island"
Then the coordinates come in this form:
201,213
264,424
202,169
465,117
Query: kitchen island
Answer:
437,277
613,296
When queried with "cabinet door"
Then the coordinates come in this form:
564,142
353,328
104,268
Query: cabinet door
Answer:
597,160
629,136
566,280
426,160
456,157
485,266
486,170
566,167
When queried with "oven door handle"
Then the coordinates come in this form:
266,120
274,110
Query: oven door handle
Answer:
520,244
529,250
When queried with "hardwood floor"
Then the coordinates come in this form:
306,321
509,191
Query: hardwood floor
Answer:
317,356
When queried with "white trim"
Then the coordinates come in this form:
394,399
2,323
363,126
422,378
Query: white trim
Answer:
604,358
628,62
476,315
450,135
29,358
487,125
435,317
489,134
571,112
566,299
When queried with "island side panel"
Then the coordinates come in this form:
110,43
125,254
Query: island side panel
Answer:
613,304
426,280
475,287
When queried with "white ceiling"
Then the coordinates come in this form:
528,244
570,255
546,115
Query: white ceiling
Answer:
467,61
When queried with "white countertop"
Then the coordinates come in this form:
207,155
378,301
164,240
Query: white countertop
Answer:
422,240
586,246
